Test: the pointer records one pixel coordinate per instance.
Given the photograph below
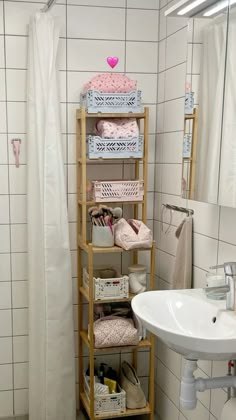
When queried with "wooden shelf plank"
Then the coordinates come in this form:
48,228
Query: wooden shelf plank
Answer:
93,203
142,344
138,115
85,293
109,160
127,413
189,116
110,249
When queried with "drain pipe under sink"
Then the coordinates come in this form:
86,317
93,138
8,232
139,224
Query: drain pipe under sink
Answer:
191,385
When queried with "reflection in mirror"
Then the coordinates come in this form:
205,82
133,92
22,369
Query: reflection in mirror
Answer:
227,183
204,108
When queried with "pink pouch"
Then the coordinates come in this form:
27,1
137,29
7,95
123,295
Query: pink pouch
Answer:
132,234
111,83
111,331
117,128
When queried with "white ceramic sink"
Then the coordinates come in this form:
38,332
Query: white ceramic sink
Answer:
189,323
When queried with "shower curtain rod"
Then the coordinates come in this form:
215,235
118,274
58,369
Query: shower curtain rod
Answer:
48,6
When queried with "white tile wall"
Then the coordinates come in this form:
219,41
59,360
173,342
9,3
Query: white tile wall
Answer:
214,227
90,31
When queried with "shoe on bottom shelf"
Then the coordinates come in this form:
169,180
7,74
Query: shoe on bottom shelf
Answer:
130,383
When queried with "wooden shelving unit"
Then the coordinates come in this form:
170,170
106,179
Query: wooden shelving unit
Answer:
86,247
191,160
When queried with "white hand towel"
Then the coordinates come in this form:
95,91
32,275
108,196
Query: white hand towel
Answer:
182,276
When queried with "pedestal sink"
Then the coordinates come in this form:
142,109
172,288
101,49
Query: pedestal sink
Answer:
189,323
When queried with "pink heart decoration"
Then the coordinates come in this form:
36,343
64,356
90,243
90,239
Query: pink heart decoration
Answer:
112,61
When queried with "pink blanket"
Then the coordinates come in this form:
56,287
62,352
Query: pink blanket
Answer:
117,128
111,83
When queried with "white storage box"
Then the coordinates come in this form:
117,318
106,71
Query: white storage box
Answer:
112,191
113,288
124,148
111,403
95,101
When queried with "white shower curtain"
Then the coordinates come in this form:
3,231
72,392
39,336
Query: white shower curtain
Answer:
210,111
51,336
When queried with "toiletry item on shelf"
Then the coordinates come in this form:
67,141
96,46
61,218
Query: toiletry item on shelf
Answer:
104,215
101,373
112,385
98,311
111,374
189,100
103,218
187,143
130,383
137,278
102,236
95,373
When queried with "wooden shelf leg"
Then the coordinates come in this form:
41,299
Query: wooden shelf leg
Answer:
80,314
91,341
152,338
145,162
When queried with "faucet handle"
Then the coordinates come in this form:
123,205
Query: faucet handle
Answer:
229,268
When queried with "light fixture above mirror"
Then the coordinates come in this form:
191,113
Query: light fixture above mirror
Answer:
198,8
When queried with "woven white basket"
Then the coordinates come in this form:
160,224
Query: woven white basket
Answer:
112,191
95,101
110,403
113,288
124,148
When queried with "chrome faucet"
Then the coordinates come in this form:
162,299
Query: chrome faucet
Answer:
230,284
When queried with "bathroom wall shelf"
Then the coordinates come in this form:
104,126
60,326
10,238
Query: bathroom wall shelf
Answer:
89,251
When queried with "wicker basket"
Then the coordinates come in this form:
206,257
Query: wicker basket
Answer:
95,101
124,148
112,191
110,403
113,288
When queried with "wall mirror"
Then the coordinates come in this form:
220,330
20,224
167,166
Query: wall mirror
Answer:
209,144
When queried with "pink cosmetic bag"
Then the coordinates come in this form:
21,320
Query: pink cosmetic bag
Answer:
111,83
117,128
111,331
132,234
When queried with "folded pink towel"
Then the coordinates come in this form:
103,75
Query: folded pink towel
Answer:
117,128
111,83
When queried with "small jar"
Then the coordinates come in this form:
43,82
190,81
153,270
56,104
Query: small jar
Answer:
137,278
